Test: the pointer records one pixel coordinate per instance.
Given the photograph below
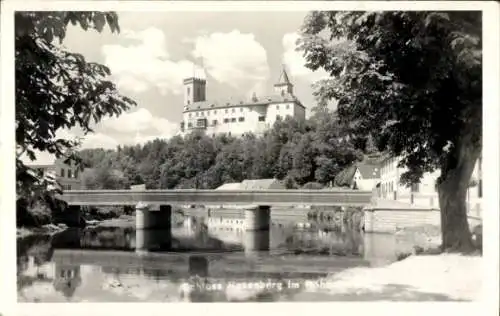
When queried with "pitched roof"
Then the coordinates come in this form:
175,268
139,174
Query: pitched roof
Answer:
345,177
262,184
368,171
240,102
230,186
258,184
283,80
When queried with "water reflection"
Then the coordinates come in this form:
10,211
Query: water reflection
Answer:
200,260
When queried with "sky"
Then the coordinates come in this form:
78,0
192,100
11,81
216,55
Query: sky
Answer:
239,53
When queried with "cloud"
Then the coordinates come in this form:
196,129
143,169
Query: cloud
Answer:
98,140
295,62
233,58
140,66
140,126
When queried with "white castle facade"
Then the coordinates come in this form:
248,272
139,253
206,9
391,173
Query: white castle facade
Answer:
235,117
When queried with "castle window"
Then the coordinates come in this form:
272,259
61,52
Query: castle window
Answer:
212,105
287,106
215,111
226,120
62,173
233,110
262,118
480,188
201,123
190,125
69,173
241,119
76,173
241,109
227,111
233,119
190,114
197,114
214,122
278,117
189,102
189,92
277,106
229,133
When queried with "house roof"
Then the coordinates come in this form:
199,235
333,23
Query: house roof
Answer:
345,177
368,171
230,186
283,80
262,184
258,184
240,102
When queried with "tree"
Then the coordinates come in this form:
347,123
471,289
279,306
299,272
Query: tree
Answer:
57,89
412,81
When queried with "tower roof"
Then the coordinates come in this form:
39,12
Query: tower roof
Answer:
283,80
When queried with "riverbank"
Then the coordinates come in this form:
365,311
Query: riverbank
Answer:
445,277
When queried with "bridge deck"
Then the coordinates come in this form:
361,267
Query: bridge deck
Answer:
219,197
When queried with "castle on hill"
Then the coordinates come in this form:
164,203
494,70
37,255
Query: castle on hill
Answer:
235,117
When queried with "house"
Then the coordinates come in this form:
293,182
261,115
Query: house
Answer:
237,116
361,176
258,184
425,192
68,175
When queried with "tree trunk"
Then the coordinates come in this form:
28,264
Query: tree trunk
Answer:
452,189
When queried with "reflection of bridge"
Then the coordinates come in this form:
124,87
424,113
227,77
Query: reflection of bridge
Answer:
257,205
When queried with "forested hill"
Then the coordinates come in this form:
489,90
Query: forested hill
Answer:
314,151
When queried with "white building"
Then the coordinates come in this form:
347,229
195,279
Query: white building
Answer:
235,117
67,175
425,192
366,176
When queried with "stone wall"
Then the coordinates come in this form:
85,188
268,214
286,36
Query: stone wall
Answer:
390,219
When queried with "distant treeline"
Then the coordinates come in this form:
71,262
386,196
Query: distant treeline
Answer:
313,152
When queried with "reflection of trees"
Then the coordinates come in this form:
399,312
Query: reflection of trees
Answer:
37,246
345,242
115,238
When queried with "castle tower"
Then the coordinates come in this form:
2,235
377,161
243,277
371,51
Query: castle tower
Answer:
283,86
194,90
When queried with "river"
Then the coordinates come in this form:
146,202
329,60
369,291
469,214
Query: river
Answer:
208,260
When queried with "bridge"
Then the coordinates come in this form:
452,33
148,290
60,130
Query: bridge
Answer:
218,197
257,205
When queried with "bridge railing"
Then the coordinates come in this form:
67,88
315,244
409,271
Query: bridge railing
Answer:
219,197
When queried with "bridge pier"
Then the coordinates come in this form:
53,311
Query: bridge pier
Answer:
257,229
152,228
257,218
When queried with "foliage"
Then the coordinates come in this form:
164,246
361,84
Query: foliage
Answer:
410,81
103,178
290,151
57,89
